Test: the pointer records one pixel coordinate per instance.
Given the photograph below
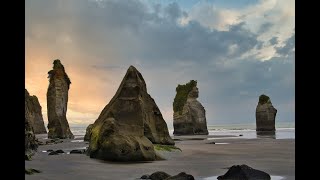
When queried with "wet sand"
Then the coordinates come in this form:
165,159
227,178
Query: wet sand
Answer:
202,160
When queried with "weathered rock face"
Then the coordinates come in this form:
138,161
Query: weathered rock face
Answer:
189,116
57,100
244,172
33,113
88,133
265,114
129,124
30,142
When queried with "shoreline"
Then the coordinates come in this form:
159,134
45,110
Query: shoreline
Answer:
202,160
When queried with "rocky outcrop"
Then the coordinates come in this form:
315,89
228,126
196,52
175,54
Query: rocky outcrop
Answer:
57,100
30,143
181,176
265,114
160,175
88,133
189,116
244,172
33,113
129,124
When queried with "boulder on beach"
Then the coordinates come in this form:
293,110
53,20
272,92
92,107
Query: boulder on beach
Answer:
244,172
129,124
33,113
57,101
160,175
189,116
181,176
265,114
88,133
30,143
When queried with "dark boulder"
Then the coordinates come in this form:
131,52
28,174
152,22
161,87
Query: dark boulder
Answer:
244,172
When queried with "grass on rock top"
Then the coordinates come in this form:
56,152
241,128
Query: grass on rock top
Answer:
264,99
182,95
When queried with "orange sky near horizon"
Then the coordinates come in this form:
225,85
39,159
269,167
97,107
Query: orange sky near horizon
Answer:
88,94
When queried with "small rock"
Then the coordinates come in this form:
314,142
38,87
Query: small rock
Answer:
31,171
181,176
53,153
244,172
211,143
240,135
77,151
49,150
146,176
159,175
50,142
59,151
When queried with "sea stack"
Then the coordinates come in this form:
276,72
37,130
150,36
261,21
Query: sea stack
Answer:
189,117
33,113
129,124
57,101
265,115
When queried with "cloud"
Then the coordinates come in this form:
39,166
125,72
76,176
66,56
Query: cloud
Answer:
273,41
288,47
232,59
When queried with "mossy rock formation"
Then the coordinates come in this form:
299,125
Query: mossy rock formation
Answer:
129,125
265,114
88,133
33,113
30,142
189,116
57,101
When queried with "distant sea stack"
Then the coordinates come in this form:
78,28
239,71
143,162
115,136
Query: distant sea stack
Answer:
129,125
33,113
57,100
265,114
189,117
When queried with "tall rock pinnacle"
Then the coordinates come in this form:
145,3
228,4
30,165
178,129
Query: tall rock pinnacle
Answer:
57,100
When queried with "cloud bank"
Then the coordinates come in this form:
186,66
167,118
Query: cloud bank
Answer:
234,54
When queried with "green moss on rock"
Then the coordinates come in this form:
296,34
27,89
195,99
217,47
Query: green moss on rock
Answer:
27,157
264,99
182,95
170,148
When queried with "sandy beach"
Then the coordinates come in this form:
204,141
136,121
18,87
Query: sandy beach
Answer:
204,161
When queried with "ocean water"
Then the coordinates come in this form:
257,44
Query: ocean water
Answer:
283,131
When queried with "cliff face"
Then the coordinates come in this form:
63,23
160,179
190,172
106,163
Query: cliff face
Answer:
30,143
129,124
265,114
191,118
57,101
88,133
33,113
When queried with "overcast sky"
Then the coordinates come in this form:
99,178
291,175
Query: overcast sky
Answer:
236,50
